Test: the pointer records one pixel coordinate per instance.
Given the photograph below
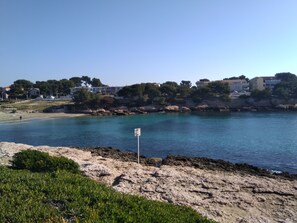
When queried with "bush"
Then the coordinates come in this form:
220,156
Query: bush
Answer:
37,161
243,96
66,197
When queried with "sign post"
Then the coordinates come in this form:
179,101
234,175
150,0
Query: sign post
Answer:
137,133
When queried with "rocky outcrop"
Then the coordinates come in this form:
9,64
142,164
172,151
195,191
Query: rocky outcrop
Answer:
172,108
149,108
185,109
247,104
226,196
101,112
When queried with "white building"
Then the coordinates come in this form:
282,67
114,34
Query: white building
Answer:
95,90
270,82
239,85
261,83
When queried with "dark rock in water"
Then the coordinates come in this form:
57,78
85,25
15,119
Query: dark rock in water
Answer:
154,161
196,162
126,156
221,165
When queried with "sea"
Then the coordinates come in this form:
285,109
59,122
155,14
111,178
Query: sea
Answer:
266,140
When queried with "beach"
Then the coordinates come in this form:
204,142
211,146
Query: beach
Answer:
24,115
225,196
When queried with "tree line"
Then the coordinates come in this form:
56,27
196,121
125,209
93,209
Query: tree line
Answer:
21,88
169,92
153,94
172,92
179,94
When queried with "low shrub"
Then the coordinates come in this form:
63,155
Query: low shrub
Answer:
65,197
38,161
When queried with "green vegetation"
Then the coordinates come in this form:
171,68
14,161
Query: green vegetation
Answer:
38,161
265,94
21,88
213,89
153,94
287,88
286,76
241,77
84,99
62,196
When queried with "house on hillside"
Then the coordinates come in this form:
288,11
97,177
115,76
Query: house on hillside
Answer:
257,83
4,93
34,92
238,85
76,89
102,90
270,82
106,90
261,83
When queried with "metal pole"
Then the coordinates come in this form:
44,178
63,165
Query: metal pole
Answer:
138,147
137,133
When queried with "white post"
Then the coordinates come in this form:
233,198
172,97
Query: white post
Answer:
138,149
137,133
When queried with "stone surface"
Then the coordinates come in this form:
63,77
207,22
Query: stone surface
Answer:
224,196
171,108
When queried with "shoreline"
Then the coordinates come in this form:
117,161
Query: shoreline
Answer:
185,161
6,117
203,109
222,195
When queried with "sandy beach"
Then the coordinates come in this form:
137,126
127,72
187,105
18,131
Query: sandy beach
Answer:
12,117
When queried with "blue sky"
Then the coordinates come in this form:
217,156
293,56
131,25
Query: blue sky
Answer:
132,41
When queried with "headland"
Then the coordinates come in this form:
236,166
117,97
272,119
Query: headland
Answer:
222,191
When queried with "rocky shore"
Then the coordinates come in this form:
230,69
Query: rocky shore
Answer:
213,105
221,190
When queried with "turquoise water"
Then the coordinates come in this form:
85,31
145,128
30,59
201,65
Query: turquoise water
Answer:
267,140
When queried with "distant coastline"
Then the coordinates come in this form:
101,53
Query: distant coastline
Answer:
213,105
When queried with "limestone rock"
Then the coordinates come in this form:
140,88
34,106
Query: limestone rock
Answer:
171,108
185,109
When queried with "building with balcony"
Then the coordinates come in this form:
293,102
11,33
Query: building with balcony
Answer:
261,83
239,85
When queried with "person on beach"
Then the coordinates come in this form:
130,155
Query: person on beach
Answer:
21,117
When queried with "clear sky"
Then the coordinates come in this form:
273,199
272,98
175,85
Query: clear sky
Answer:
132,41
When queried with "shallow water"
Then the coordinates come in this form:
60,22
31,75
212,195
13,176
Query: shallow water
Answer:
267,140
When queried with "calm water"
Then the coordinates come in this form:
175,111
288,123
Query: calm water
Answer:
267,140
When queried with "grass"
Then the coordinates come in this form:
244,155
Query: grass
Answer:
66,197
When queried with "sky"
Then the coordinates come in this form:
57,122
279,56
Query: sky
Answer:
124,42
